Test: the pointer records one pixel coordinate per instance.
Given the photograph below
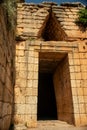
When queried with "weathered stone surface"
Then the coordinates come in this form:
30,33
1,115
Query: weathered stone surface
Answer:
7,70
62,13
50,39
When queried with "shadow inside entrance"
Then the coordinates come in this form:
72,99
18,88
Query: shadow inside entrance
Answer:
46,98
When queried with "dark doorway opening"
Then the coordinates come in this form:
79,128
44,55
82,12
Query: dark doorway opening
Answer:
46,98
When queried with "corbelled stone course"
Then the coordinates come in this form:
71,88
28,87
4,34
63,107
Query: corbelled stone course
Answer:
39,13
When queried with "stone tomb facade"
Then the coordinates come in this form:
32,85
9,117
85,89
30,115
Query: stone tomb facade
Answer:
51,65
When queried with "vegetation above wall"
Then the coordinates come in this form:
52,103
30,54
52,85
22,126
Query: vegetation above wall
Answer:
10,7
82,18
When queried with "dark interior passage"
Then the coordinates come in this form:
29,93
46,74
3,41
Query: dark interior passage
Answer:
46,98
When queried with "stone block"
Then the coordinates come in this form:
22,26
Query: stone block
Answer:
85,99
86,107
82,109
34,92
31,124
82,47
78,76
84,68
7,97
19,119
6,122
35,76
74,91
77,68
70,55
81,99
71,62
29,83
84,83
78,83
83,61
76,108
20,53
82,55
17,65
31,53
76,55
30,60
83,120
19,99
17,91
16,59
72,69
20,127
30,75
34,109
75,99
73,83
28,109
72,76
85,91
80,91
17,52
84,75
30,67
77,119
36,54
21,46
76,62
7,109
22,66
22,59
31,99
36,67
23,74
35,83
27,91
21,82
20,109
36,60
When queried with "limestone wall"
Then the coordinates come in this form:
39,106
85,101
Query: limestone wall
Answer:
78,76
73,75
32,19
26,85
63,92
32,23
7,51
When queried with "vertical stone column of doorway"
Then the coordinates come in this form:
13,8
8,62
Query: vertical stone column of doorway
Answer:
63,92
74,67
78,76
25,107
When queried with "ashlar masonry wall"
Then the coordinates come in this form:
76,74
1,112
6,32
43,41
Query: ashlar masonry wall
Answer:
7,72
26,84
27,63
63,92
34,35
78,74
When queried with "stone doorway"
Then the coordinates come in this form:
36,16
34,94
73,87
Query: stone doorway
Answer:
54,69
